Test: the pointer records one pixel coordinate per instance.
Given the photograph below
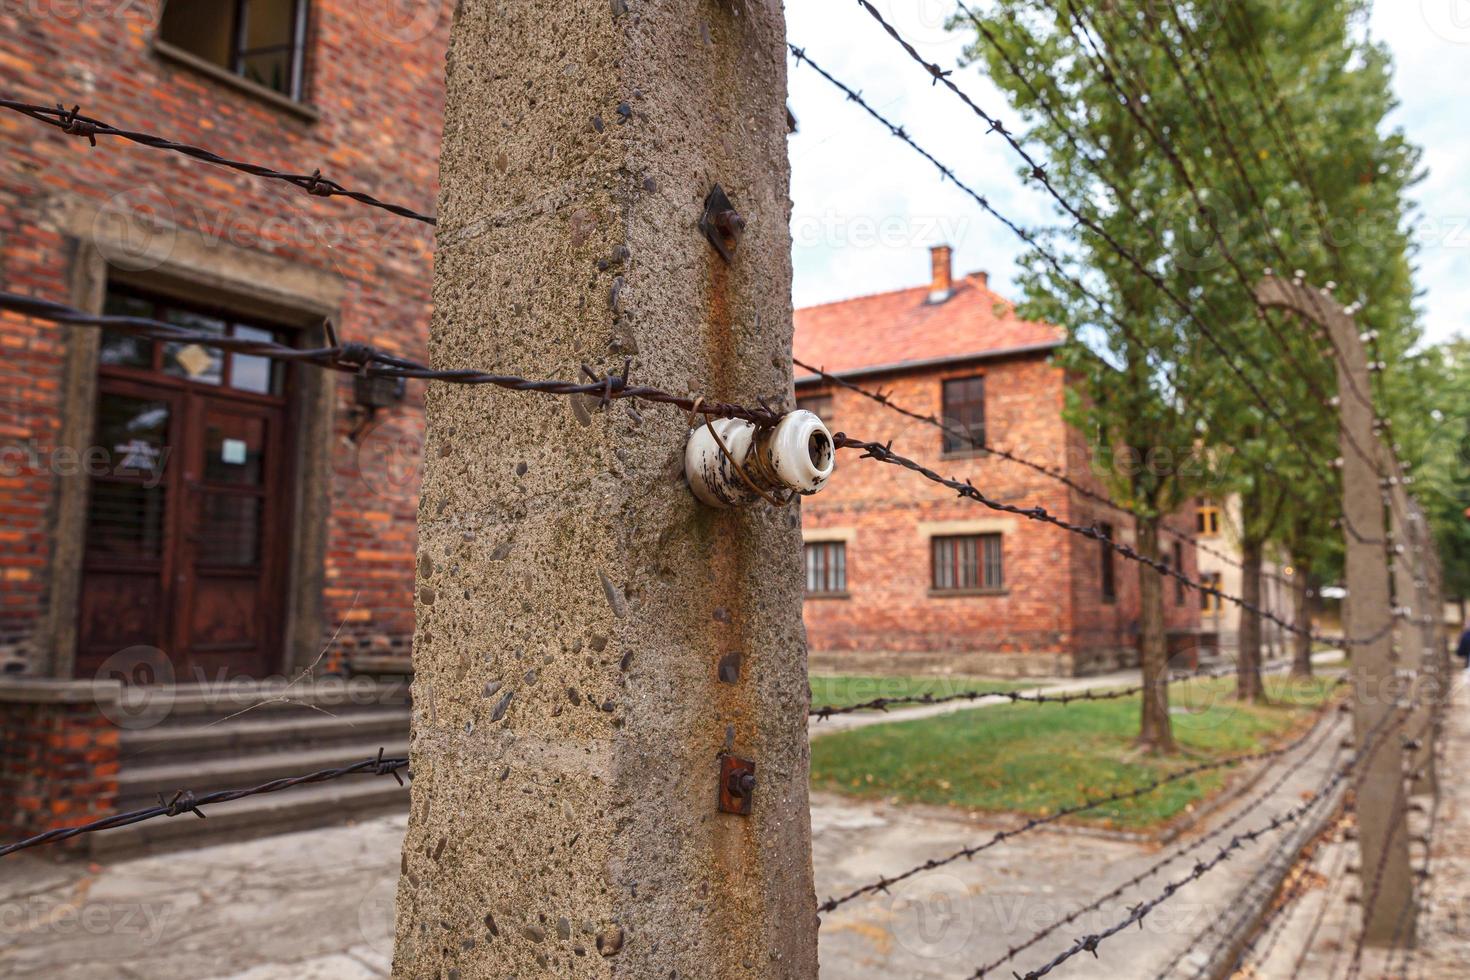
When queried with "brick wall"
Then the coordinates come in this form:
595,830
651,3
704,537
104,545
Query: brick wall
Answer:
58,760
377,85
1049,619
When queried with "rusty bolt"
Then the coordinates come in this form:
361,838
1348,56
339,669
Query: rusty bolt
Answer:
730,222
742,783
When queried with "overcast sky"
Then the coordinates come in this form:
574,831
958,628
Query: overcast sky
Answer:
867,207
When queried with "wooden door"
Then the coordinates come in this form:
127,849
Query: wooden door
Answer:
128,563
188,523
227,561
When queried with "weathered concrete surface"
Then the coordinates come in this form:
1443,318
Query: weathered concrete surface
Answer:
320,904
573,599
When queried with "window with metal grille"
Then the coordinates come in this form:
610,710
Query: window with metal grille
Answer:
826,568
970,562
263,41
1109,580
964,414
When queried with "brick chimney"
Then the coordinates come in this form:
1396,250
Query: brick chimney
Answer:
941,287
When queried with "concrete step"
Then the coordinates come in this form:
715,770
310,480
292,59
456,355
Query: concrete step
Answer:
298,808
139,786
196,704
252,734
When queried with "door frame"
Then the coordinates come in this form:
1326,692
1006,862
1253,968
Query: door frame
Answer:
256,284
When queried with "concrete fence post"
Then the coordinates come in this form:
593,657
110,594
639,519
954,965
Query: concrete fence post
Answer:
598,656
1383,833
1410,578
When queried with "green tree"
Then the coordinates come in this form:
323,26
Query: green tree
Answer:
1212,142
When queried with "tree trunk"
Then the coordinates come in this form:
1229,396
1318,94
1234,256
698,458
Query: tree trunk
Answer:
1301,653
1248,686
1155,731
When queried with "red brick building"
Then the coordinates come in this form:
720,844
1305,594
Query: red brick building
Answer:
900,577
229,514
126,228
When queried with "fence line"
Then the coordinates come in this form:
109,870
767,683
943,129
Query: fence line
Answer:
1324,726
362,358
887,881
1090,943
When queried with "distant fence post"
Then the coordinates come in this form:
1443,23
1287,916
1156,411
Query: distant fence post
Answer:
594,649
1421,567
1383,835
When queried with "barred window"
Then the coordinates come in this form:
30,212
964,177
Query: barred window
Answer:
968,562
826,567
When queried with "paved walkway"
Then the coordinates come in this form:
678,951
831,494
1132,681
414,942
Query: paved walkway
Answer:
317,905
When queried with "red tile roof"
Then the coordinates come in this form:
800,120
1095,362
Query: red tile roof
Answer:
902,327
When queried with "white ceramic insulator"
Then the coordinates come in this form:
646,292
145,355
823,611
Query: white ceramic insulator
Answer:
798,453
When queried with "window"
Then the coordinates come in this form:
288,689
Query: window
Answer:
969,563
826,568
1109,581
1180,591
964,414
262,41
818,405
1209,603
191,362
1207,520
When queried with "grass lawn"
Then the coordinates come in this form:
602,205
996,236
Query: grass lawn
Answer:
840,690
1034,759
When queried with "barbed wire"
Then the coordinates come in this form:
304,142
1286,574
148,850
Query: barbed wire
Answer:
802,56
1037,172
1017,697
887,881
365,359
73,123
959,432
885,454
1324,726
359,358
1267,933
185,801
1090,943
898,132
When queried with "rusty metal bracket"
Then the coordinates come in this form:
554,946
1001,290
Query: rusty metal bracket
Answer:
737,785
721,223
